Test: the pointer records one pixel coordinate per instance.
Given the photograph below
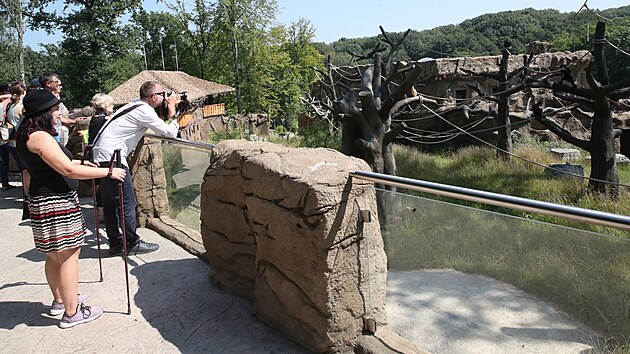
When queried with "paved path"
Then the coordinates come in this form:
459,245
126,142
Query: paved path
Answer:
174,306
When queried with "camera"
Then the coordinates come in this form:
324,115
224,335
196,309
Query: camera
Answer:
183,96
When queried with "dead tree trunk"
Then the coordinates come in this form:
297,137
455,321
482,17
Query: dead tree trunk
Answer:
367,131
504,124
604,177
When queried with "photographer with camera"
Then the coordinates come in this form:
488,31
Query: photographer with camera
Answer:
123,131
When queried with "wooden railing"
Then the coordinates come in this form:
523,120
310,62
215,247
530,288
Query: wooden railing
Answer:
213,110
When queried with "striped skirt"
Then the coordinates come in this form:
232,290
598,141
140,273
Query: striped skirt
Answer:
57,222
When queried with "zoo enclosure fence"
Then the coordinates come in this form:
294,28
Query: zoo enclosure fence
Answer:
583,273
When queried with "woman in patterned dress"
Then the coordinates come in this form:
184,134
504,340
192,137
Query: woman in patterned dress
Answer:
56,217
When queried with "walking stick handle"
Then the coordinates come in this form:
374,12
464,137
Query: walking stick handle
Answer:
118,158
86,151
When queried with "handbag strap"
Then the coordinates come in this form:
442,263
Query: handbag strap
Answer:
118,114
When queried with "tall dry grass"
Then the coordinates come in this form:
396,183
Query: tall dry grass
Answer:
477,168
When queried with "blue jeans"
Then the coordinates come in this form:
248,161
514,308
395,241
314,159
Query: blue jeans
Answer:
111,209
5,150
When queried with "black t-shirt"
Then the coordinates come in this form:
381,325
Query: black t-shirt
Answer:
96,123
44,179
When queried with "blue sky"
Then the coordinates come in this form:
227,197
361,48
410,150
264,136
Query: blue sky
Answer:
334,19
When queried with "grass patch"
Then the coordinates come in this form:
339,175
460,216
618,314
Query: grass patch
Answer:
478,168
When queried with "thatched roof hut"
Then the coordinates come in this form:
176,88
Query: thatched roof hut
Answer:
177,81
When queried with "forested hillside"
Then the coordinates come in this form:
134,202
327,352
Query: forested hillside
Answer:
485,35
239,43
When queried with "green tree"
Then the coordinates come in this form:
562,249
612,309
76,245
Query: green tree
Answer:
97,49
242,22
12,35
302,51
618,34
161,39
38,61
198,36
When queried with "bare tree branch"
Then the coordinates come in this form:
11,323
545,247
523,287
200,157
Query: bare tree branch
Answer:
389,79
619,94
400,91
514,89
598,53
590,78
394,46
369,55
575,99
482,94
559,131
402,103
623,84
557,86
393,133
515,72
368,107
376,80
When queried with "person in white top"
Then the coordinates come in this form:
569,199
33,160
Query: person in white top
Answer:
123,131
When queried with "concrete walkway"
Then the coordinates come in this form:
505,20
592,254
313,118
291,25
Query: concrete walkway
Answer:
174,307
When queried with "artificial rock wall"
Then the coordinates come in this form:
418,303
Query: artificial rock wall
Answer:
284,227
149,180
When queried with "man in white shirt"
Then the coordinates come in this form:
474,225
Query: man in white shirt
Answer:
123,131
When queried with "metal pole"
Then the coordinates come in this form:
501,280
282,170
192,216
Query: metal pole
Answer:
176,61
162,51
97,234
144,50
617,221
122,226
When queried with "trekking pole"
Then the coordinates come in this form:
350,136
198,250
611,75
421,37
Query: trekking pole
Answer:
122,226
87,152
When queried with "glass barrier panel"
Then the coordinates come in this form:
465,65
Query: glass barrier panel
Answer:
451,266
184,168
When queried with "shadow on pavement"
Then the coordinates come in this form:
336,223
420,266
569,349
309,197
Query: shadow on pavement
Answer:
200,316
32,314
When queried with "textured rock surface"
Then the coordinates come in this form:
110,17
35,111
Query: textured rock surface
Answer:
282,226
149,181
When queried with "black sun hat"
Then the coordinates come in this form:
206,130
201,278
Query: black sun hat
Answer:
39,101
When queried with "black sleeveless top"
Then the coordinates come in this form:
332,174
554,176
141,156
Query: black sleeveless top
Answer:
44,179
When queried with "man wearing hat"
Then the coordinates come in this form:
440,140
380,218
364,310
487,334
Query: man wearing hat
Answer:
33,86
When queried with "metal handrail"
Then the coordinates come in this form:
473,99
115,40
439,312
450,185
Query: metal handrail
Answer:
179,141
617,221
